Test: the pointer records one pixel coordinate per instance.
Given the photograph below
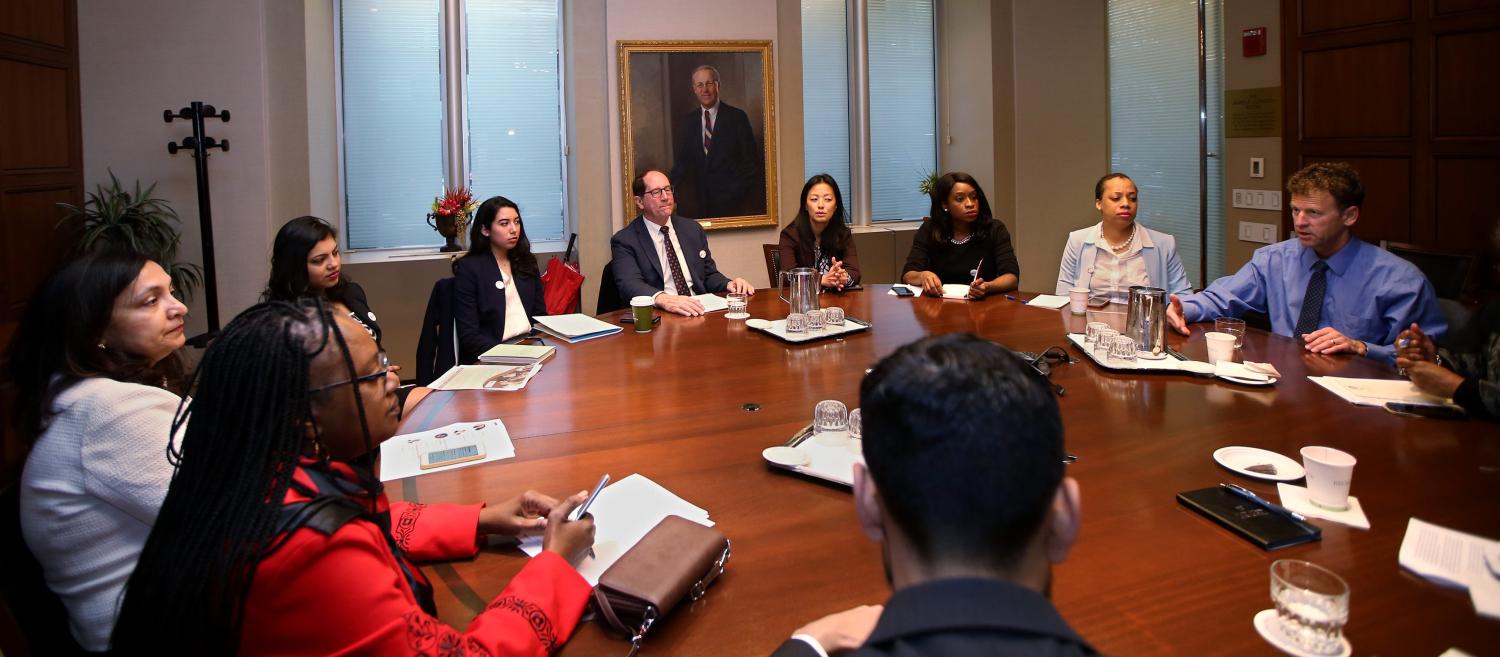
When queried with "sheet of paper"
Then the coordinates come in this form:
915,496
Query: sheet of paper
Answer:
1376,392
712,303
575,324
1486,597
1445,556
1048,301
623,513
955,291
501,378
400,456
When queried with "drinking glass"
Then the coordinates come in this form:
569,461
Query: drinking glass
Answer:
1312,605
831,422
1103,341
833,316
814,320
796,323
738,304
1232,326
1123,349
1091,334
856,432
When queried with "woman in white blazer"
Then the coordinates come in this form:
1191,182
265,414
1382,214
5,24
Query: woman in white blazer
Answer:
1116,253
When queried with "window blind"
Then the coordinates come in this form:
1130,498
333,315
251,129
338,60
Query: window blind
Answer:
825,93
903,106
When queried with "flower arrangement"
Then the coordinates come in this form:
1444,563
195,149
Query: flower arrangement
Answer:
456,202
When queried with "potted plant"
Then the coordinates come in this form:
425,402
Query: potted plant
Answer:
137,220
450,215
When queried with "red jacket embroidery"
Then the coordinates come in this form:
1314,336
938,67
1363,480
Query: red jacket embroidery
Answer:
345,594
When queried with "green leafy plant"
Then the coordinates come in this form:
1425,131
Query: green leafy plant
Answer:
137,220
927,182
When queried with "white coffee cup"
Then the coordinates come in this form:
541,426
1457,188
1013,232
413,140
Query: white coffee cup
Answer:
1220,346
1078,300
1329,473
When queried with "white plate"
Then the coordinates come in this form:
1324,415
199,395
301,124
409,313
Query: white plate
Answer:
1238,458
787,456
1248,382
1265,624
758,323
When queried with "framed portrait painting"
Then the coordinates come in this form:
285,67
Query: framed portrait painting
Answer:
704,113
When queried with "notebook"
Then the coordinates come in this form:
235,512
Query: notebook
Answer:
575,327
517,354
1251,521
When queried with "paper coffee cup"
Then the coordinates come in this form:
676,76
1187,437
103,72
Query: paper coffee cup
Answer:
642,307
1078,300
1329,473
1220,346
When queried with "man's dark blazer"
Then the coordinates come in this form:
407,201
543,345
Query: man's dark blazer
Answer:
965,618
638,271
479,307
729,180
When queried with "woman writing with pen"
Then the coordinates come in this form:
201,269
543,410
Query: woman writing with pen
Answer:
961,242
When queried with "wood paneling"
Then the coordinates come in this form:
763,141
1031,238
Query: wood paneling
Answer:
1466,212
1444,7
1327,15
1466,98
27,242
42,21
1361,91
36,121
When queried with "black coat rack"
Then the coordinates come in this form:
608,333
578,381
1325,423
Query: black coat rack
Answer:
200,144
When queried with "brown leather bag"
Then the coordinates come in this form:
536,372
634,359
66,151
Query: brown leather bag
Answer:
677,559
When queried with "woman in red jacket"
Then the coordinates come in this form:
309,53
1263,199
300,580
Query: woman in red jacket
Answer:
276,539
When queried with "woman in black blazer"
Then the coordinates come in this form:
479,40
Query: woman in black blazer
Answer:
305,262
499,288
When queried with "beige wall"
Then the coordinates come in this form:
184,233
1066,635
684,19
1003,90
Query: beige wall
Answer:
1250,73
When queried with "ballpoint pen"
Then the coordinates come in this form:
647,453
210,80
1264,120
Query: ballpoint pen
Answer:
1263,503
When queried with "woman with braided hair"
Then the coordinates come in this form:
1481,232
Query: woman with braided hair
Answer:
274,540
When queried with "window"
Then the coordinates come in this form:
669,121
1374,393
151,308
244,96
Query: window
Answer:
900,100
1154,115
418,112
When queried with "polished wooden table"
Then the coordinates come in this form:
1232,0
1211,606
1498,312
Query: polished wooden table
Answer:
1146,577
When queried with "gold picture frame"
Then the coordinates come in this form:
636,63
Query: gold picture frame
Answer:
659,103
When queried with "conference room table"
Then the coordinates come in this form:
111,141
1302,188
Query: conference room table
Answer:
692,404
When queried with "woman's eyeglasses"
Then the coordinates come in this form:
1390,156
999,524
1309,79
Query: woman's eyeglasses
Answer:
385,368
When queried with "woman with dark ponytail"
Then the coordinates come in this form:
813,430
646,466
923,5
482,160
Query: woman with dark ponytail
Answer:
98,382
306,261
274,540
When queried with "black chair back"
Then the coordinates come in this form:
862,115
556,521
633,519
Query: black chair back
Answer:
1449,273
437,345
609,293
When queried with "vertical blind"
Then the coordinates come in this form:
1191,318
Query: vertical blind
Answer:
392,69
903,106
392,120
514,110
825,97
1154,111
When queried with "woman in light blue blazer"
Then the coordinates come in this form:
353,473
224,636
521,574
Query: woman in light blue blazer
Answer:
1116,253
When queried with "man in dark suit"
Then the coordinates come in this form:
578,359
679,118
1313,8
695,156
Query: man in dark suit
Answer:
664,256
964,491
717,166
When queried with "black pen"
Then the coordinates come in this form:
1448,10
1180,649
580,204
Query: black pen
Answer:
1261,502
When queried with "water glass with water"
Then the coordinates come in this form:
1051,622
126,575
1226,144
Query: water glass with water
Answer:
831,422
738,305
1233,326
1312,605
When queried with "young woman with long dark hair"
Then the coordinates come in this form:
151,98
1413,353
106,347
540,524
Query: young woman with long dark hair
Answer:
306,261
275,540
961,242
498,288
820,237
98,381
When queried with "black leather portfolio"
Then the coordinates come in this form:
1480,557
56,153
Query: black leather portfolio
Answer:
1257,524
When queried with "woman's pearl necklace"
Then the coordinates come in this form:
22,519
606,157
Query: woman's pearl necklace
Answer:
1123,247
965,240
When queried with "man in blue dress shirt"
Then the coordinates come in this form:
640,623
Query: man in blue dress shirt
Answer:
1336,293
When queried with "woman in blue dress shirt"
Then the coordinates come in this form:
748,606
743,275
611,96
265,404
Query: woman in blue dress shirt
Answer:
499,287
1116,253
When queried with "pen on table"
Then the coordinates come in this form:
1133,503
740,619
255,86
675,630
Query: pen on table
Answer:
1261,502
1012,297
582,509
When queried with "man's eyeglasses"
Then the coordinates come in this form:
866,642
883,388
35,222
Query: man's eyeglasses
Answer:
385,368
659,192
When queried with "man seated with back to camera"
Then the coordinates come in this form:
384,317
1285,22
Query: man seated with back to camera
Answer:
1329,289
965,493
664,256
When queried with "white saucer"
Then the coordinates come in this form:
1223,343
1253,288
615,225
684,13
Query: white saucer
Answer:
1146,355
1237,458
783,455
1248,382
1265,624
758,323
